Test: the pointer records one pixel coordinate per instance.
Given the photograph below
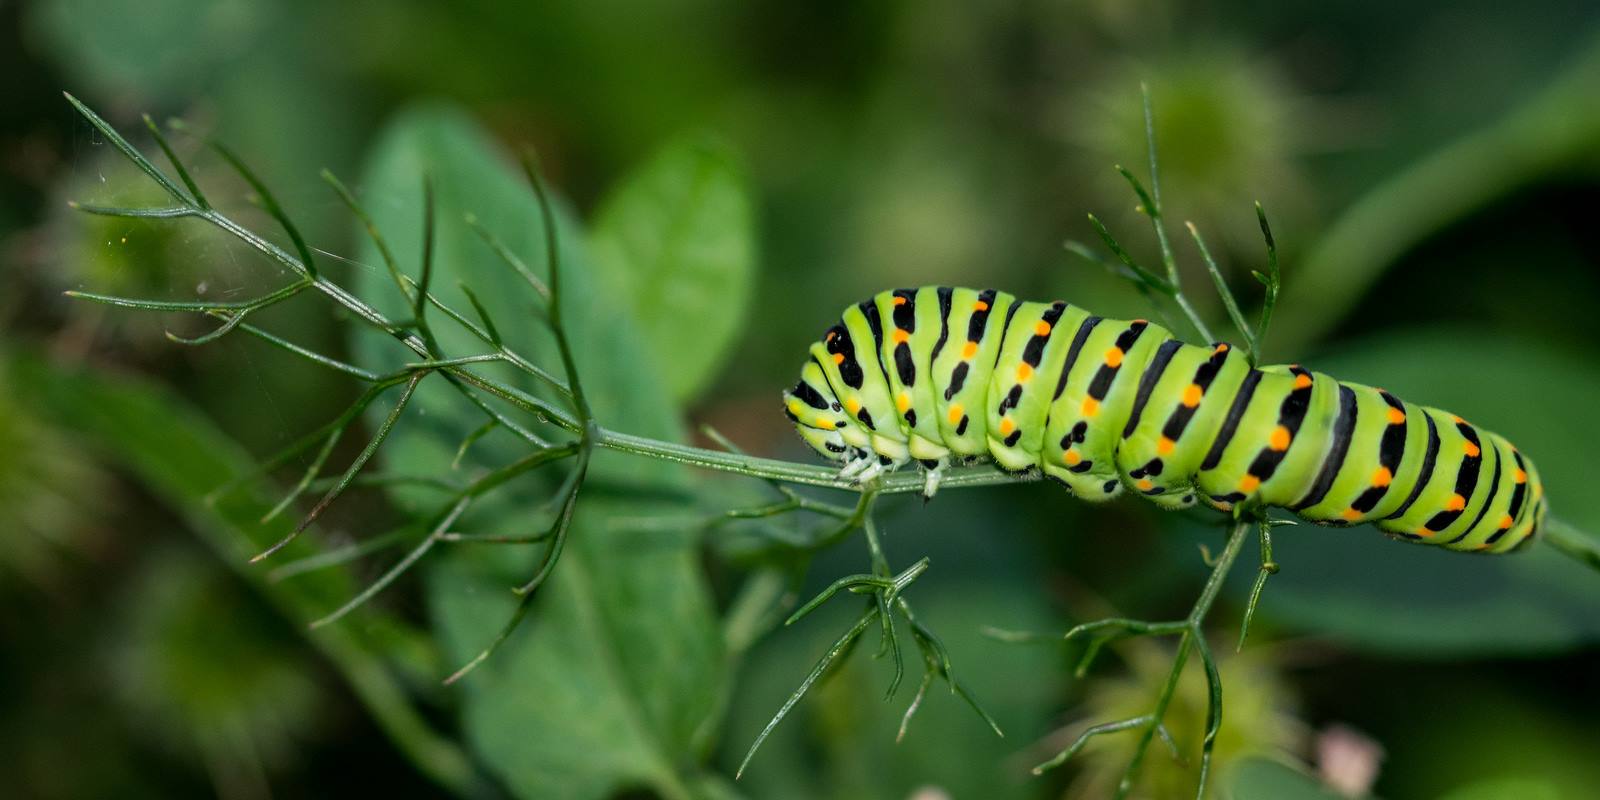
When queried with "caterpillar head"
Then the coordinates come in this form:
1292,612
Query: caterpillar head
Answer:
817,414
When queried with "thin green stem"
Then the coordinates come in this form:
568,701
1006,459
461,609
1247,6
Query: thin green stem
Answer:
160,212
1272,279
1268,568
840,647
371,228
1573,543
198,197
505,254
443,524
341,555
350,473
552,247
483,315
269,203
496,538
419,306
1083,739
1190,638
1191,635
795,472
1153,204
129,151
1228,302
310,355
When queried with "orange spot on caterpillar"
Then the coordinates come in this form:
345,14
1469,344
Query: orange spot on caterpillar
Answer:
1382,476
1024,372
902,402
1455,503
980,306
1396,416
832,335
1302,381
1506,522
1350,515
1145,485
1521,476
1091,406
1457,420
970,350
852,405
838,358
1280,438
1007,426
1114,357
1249,483
1192,395
1164,445
1071,457
899,301
1041,329
1141,322
1222,347
956,413
1424,532
900,336
1472,450
1221,506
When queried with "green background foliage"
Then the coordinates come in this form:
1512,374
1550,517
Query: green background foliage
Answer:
730,175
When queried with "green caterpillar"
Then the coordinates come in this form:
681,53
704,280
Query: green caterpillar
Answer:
941,373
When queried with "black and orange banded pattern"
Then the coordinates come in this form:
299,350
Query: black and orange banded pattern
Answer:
1100,405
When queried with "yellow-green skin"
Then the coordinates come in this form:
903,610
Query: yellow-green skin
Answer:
941,373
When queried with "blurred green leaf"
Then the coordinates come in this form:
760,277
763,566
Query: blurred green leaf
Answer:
1484,730
1400,598
1552,133
677,239
192,37
612,681
55,500
204,670
1263,779
176,453
1520,788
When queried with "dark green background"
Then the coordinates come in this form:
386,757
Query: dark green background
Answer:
1430,168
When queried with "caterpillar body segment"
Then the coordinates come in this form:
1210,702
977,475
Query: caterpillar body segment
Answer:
1106,406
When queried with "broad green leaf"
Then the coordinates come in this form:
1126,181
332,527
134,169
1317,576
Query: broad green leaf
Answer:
176,453
1399,598
612,681
1264,779
676,238
472,175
